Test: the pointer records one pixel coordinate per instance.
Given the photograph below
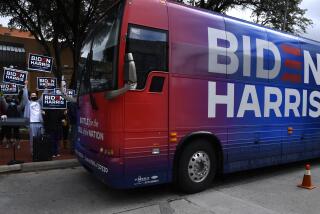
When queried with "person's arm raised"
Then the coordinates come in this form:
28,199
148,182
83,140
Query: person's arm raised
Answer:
3,102
25,97
66,97
44,92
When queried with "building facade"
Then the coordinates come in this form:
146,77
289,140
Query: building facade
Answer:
15,46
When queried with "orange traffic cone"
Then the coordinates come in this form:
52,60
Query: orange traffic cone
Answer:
306,182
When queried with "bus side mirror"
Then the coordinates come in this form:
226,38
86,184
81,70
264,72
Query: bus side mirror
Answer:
130,72
130,77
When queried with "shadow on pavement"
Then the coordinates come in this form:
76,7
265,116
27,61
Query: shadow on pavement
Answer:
166,190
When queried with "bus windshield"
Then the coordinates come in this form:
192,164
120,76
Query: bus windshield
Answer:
100,50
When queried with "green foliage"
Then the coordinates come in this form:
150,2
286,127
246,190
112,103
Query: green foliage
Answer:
65,23
219,6
283,15
56,23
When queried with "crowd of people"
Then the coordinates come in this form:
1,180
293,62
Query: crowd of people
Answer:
58,124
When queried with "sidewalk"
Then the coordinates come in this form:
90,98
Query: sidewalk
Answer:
23,154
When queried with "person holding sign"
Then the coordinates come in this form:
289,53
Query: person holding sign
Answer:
33,111
53,118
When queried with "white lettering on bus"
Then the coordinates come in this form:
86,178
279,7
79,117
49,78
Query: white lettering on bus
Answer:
231,63
275,105
270,73
309,65
249,92
220,99
295,101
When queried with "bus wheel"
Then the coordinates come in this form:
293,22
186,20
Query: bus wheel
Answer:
197,166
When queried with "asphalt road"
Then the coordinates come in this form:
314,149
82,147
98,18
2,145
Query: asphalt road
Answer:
269,190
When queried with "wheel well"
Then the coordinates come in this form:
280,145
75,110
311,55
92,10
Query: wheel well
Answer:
215,142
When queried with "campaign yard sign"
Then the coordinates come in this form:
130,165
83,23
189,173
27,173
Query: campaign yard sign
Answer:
38,62
57,91
9,89
71,92
11,75
46,83
53,101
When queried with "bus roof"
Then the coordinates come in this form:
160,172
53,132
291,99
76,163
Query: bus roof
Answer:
244,21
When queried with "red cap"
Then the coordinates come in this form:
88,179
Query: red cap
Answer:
308,167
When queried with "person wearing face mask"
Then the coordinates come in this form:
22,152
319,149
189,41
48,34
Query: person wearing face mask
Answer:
12,109
33,111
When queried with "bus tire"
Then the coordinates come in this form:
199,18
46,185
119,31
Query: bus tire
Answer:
197,166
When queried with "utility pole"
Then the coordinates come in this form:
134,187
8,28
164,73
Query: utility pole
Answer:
284,24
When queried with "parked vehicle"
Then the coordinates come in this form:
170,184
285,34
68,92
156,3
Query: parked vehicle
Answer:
170,93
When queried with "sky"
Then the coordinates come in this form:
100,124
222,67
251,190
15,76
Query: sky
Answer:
4,21
313,6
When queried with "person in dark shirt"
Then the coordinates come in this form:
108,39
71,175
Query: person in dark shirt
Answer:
65,129
72,109
12,109
3,117
53,127
72,118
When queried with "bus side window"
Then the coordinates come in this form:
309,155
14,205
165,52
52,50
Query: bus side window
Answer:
149,48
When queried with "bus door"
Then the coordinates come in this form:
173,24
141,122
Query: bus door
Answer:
146,108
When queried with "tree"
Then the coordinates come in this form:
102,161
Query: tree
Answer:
283,15
219,6
37,18
60,23
78,16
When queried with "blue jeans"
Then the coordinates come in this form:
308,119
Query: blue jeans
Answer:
35,129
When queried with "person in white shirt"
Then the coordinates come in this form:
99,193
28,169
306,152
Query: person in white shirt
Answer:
33,111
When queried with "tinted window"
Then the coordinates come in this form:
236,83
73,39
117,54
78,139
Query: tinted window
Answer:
156,84
102,43
149,49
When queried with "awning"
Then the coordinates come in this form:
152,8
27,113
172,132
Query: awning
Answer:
12,54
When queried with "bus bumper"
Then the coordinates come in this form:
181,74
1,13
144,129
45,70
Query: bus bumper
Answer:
108,170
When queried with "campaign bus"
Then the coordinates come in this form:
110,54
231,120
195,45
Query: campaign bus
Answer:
170,93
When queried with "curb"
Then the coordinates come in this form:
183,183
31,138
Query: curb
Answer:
39,166
10,168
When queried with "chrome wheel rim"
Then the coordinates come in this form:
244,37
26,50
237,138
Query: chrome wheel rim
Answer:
199,166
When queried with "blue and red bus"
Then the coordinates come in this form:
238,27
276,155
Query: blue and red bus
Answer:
170,93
